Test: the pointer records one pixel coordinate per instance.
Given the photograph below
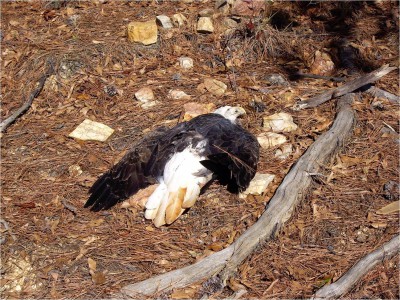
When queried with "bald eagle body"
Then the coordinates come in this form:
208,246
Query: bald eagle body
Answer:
182,160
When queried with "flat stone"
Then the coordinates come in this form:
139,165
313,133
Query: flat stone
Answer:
205,25
270,139
215,86
143,32
279,122
91,131
258,185
164,21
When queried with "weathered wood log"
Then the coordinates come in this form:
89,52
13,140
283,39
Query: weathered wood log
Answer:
348,87
293,188
362,267
27,104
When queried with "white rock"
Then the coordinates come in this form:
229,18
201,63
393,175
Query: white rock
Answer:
185,62
205,25
149,104
280,122
145,95
177,95
143,32
270,139
258,185
164,21
284,151
91,131
179,20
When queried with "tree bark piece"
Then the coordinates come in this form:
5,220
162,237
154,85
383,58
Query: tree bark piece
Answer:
293,188
362,267
348,87
20,111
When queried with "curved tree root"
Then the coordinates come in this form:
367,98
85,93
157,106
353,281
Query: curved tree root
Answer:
223,264
362,267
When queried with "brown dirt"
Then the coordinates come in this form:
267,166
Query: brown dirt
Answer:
46,251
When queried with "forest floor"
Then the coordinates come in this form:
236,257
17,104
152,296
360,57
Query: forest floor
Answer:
50,237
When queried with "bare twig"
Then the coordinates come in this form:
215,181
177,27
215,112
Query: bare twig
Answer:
362,267
345,88
70,207
20,111
223,264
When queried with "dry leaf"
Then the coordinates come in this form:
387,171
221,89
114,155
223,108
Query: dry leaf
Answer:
390,208
96,222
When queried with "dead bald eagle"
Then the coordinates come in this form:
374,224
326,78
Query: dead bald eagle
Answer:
182,160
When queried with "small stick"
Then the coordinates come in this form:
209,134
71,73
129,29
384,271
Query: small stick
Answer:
20,111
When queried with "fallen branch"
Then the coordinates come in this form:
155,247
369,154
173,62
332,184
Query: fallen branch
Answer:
348,87
223,264
362,267
377,92
20,111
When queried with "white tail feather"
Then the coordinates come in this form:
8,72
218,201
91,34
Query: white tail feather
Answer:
179,187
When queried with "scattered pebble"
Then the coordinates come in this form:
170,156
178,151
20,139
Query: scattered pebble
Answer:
110,90
258,185
276,79
322,64
193,109
164,21
145,95
205,25
391,190
207,12
91,131
284,151
178,95
270,139
179,20
185,62
143,32
214,86
279,122
75,170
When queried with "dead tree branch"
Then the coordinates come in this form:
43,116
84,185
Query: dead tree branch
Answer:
362,267
293,188
348,87
20,111
377,92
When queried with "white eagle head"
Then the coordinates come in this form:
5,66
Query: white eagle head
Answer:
230,112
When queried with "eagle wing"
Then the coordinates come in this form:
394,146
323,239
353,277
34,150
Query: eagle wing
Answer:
126,177
232,154
140,167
